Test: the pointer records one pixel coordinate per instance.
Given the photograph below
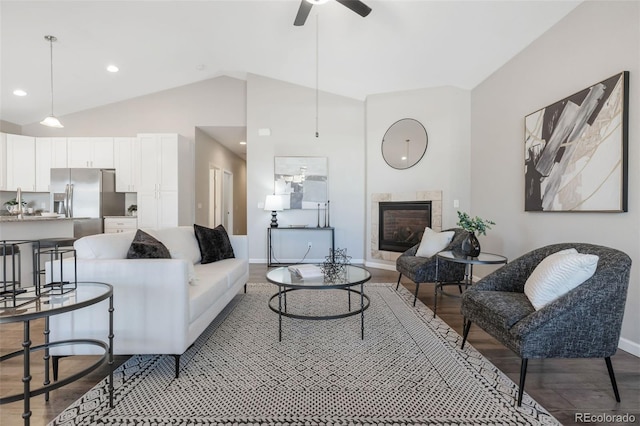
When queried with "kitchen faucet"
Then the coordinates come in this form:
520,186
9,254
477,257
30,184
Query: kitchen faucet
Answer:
19,200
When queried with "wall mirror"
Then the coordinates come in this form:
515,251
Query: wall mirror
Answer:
404,143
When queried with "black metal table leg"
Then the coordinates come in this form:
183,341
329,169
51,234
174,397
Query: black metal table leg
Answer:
111,351
361,311
46,356
26,377
279,314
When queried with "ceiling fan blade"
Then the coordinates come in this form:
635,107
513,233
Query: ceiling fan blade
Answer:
303,12
357,6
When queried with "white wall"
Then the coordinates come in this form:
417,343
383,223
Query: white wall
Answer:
215,102
444,112
595,41
289,112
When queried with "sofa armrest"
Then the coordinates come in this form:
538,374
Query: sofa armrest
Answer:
153,294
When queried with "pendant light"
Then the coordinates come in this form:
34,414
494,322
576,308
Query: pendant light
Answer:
51,120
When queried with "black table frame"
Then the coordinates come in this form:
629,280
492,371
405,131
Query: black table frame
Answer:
448,256
284,288
295,228
26,319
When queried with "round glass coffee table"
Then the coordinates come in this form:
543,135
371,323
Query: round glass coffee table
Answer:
351,279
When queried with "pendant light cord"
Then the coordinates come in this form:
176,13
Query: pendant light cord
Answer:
51,70
51,39
317,68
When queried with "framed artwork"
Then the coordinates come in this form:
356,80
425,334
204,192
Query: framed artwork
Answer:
575,156
302,181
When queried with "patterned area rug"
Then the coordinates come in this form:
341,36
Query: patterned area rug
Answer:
409,369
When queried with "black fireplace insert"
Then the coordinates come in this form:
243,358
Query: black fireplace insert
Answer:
401,224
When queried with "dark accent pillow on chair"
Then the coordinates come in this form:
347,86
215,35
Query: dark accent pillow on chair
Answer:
144,246
214,243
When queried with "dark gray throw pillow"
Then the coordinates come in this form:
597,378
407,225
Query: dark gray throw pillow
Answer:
214,243
144,246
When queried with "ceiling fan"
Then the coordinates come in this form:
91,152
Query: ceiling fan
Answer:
305,7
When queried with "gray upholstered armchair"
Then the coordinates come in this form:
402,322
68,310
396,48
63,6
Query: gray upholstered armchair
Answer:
423,269
584,323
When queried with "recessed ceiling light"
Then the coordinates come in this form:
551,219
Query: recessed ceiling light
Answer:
243,143
19,92
113,68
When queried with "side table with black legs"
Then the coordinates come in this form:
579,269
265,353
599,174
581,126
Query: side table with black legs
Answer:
450,256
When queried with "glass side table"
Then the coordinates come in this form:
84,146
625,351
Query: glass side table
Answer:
46,306
450,256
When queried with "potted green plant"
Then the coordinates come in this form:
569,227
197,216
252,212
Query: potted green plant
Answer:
471,245
133,210
12,204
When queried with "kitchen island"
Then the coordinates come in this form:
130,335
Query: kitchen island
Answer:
32,228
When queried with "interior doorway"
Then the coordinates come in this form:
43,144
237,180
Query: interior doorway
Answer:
221,198
227,201
215,196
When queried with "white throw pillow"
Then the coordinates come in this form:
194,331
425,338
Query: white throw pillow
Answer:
557,274
433,242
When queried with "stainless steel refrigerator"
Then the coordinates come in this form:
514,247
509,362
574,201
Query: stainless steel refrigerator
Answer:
86,195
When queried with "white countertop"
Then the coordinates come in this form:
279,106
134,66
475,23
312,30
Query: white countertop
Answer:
33,218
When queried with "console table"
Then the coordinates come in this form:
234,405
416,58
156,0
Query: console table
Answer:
270,230
45,306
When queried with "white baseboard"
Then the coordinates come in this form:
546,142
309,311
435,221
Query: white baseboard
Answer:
628,346
380,266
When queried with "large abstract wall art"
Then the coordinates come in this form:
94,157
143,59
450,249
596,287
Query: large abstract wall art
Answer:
302,181
576,151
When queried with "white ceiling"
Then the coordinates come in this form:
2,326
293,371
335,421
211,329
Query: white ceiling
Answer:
401,45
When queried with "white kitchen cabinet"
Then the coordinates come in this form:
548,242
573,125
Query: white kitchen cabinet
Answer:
94,153
126,152
21,163
3,161
50,153
114,225
165,193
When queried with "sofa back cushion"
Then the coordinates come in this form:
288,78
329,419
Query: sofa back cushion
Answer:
104,246
180,240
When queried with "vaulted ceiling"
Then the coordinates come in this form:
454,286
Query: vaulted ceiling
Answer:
158,45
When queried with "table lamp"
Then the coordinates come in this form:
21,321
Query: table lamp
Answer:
273,203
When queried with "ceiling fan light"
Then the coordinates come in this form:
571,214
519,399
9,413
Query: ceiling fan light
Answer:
52,121
317,1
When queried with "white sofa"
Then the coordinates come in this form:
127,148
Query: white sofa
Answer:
161,306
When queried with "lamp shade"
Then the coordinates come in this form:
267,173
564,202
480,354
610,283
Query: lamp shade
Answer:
52,121
273,203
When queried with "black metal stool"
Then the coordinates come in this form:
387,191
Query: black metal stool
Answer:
9,251
48,244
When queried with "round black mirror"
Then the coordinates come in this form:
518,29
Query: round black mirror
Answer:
404,143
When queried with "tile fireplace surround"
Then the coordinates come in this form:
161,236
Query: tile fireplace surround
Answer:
436,216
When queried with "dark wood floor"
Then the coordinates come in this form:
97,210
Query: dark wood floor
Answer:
564,387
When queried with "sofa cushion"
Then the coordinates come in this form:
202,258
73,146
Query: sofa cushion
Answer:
144,246
214,243
202,296
502,309
558,274
180,240
104,246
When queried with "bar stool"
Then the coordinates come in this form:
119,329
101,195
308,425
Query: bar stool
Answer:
48,244
10,254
